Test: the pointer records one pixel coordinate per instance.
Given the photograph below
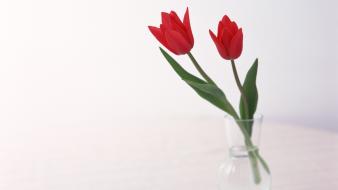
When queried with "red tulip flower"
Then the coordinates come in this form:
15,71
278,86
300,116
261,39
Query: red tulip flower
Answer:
229,39
174,34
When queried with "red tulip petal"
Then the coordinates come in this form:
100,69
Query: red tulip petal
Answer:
236,45
174,17
220,30
159,35
221,50
226,20
234,26
226,38
177,25
177,42
157,32
165,19
186,22
163,28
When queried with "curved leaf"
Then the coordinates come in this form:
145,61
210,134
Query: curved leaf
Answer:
207,91
250,90
180,70
214,95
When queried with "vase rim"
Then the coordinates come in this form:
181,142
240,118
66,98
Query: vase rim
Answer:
255,118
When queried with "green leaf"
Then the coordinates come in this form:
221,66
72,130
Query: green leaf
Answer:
209,92
250,90
214,95
179,70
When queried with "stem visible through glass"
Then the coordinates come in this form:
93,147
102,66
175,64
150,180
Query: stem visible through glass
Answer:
252,153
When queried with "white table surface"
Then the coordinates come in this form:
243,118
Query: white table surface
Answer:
156,154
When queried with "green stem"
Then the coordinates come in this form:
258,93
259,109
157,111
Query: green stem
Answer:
239,85
244,97
199,69
252,153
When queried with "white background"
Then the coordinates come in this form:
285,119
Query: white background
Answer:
88,102
69,62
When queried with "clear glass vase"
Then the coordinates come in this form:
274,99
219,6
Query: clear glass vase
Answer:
244,168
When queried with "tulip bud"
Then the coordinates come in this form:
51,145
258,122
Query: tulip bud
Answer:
174,34
229,39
